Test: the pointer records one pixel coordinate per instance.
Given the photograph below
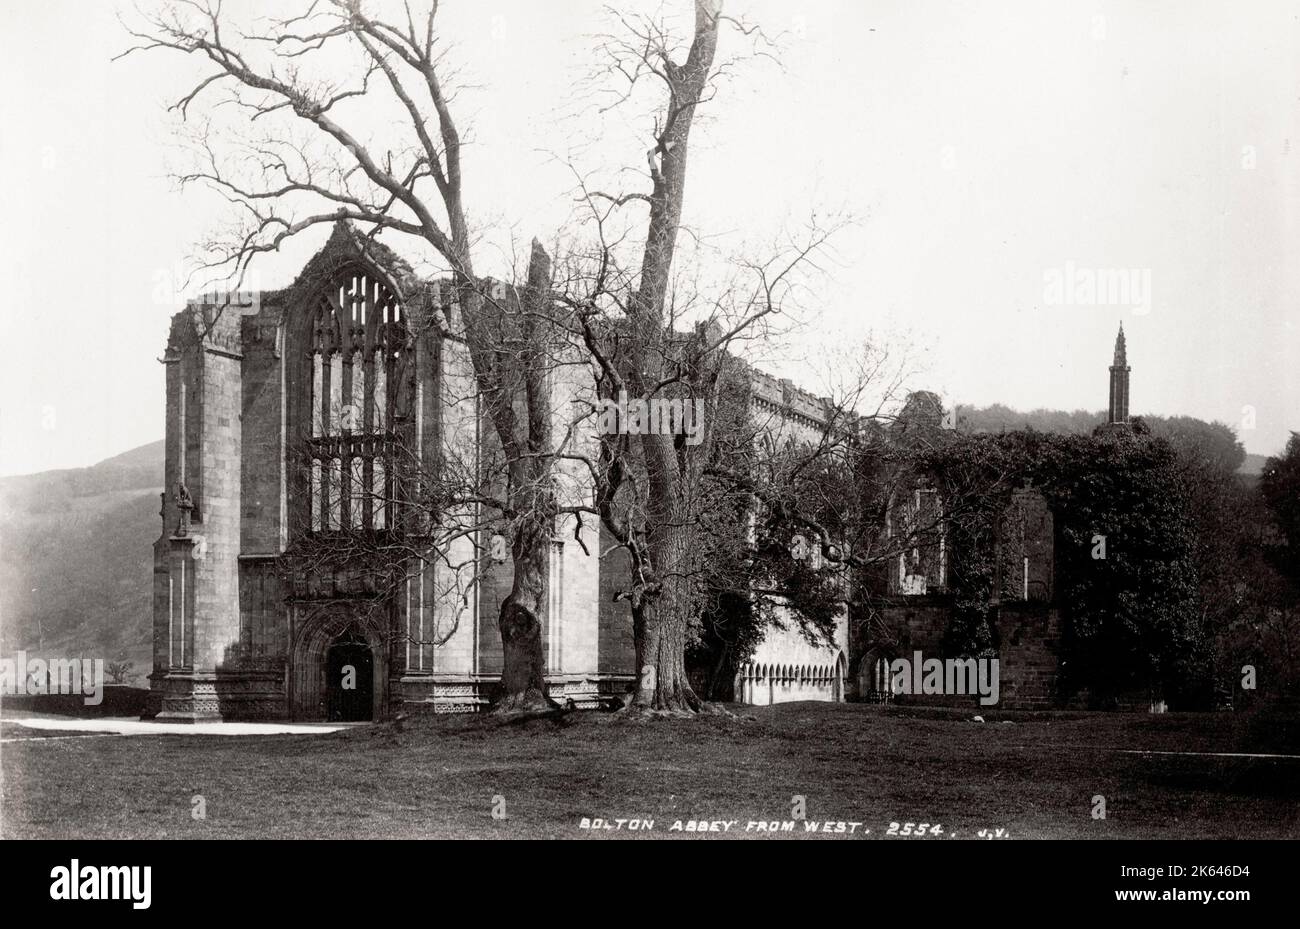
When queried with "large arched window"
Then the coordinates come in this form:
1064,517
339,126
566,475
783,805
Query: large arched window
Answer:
358,405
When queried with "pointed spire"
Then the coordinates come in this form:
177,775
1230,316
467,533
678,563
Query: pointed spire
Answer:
1119,374
1121,351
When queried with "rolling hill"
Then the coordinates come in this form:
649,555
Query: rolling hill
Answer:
76,559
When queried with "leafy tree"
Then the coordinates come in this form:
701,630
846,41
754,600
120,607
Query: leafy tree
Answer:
1212,445
1272,588
1280,488
1212,442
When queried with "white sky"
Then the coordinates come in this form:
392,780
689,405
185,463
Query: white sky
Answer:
980,145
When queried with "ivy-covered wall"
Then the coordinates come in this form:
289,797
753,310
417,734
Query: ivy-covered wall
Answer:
1124,577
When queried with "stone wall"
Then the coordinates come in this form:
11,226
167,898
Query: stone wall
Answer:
787,665
262,467
1030,637
198,558
617,647
1027,633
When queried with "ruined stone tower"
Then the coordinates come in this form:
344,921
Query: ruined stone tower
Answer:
286,411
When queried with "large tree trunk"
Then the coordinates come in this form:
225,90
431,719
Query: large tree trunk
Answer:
661,626
662,684
662,611
532,496
523,683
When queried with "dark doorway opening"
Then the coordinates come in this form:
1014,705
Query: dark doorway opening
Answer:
349,679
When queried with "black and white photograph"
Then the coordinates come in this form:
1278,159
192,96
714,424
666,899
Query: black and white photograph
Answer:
705,420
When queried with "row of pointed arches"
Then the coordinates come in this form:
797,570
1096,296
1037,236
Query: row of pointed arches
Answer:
790,674
766,683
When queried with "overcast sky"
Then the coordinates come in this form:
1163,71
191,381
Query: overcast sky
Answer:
987,150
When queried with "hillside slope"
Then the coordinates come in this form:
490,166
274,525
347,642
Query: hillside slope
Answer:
76,559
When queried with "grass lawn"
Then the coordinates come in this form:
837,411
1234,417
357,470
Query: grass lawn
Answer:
1035,777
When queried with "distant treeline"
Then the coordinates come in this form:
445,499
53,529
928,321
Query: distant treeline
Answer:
1214,443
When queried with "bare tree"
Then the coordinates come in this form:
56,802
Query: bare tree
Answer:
648,485
279,74
670,500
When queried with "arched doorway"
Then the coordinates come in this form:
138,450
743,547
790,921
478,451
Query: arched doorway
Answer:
326,642
349,679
